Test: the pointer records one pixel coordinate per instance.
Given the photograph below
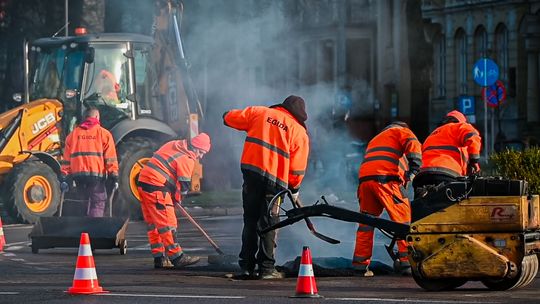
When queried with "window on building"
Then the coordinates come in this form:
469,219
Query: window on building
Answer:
501,51
327,62
358,11
461,61
480,43
440,65
308,63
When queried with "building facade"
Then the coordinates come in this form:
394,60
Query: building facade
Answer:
359,51
508,32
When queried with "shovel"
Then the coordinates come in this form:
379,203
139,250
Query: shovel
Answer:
221,258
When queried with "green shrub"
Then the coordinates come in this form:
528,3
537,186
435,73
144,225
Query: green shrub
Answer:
519,165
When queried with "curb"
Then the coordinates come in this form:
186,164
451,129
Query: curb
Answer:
200,211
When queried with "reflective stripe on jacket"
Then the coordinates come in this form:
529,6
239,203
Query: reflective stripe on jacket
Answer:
171,167
390,154
276,146
448,149
90,152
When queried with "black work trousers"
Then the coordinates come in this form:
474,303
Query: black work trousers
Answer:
257,249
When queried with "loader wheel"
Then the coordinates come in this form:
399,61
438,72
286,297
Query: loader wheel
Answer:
133,154
526,274
436,284
31,191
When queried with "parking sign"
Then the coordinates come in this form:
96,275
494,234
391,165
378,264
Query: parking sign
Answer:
466,105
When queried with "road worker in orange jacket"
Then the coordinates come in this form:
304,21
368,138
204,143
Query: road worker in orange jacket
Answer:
450,151
107,85
392,159
162,182
274,158
90,159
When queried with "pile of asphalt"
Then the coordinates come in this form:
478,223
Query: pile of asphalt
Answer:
333,267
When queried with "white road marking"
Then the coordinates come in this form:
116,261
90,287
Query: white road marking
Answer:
169,296
8,254
17,226
401,300
18,243
15,248
8,293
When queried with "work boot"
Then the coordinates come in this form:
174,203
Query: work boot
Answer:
159,262
364,271
402,267
245,275
271,274
185,260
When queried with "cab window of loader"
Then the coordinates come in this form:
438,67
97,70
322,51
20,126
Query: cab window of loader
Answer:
143,77
56,70
46,80
107,76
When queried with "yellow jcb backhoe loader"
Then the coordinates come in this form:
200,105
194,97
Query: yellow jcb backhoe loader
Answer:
141,86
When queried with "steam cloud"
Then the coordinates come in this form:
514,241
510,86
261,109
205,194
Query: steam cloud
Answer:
241,53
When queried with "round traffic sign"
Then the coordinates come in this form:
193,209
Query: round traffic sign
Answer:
495,94
485,72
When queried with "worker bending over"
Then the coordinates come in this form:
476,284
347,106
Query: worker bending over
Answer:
274,158
90,159
383,177
162,182
450,151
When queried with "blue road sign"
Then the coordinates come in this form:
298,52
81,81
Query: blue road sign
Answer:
466,104
495,94
485,72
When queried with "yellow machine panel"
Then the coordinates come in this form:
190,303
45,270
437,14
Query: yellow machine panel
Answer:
493,239
466,255
36,130
483,213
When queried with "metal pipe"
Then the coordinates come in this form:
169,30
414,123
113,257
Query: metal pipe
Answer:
26,67
177,36
132,83
66,5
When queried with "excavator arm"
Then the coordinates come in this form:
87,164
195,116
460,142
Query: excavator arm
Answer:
179,101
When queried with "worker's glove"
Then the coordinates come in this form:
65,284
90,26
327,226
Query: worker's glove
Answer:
409,176
294,196
473,168
113,181
64,186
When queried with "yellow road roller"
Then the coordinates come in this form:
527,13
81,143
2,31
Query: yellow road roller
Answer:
474,229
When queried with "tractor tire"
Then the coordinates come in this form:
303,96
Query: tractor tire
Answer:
133,153
31,190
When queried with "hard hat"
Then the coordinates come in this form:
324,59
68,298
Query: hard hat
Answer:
202,142
457,115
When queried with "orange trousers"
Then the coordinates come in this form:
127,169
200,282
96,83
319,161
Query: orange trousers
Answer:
158,212
373,197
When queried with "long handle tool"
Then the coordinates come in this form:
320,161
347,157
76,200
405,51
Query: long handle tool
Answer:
192,220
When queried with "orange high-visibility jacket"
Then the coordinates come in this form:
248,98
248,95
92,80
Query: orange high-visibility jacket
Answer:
276,146
449,148
390,154
90,152
170,168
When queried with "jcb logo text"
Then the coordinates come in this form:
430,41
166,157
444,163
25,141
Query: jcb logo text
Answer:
43,123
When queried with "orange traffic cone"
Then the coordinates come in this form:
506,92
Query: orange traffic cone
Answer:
305,285
85,280
2,238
